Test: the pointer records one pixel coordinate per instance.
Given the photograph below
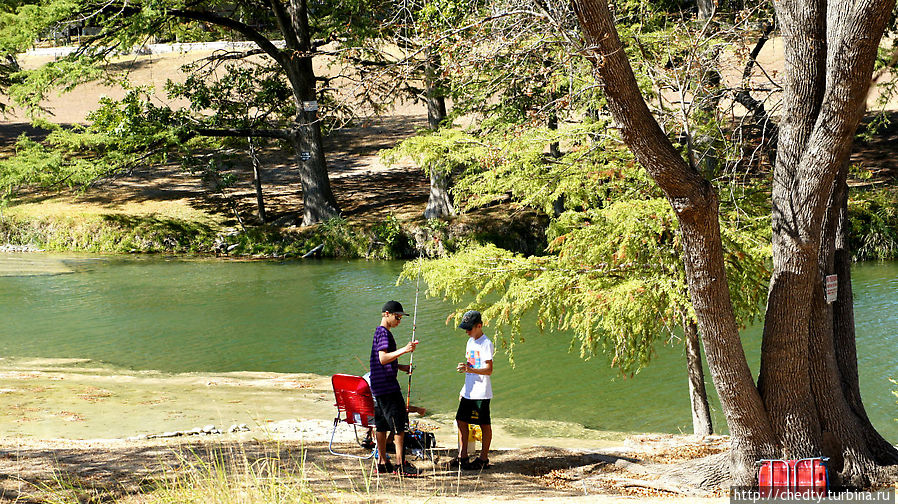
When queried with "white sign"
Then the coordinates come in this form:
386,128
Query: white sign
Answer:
832,288
305,156
310,106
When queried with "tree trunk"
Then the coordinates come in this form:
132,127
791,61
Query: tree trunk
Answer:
705,9
257,179
318,199
829,59
435,97
829,56
844,338
558,206
696,205
843,436
439,202
701,413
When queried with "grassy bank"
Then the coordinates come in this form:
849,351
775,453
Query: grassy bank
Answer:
117,233
176,229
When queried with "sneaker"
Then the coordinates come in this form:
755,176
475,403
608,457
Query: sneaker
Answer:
387,468
456,462
368,443
408,470
477,465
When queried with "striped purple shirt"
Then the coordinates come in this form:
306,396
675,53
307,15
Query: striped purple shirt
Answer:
383,376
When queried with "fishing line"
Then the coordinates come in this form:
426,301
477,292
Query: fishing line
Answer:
411,360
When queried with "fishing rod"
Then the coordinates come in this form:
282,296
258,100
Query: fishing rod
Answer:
411,360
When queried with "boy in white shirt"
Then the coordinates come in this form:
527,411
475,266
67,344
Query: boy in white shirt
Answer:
474,403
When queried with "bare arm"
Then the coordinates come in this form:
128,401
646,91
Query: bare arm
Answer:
388,357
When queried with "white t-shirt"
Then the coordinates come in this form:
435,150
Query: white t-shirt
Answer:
477,352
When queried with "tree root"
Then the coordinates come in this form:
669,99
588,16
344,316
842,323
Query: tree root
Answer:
697,477
706,475
657,485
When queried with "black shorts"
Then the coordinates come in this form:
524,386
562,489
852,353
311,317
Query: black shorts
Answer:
390,414
474,411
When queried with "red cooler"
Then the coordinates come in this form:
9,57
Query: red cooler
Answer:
777,476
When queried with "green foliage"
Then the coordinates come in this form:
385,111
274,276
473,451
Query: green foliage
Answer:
390,235
873,217
514,162
444,151
123,234
23,23
9,68
857,171
589,172
120,135
339,237
238,96
613,276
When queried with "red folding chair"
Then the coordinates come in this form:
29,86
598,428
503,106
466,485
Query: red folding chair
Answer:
355,406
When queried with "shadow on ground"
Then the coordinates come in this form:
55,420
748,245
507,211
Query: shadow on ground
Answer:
362,185
124,469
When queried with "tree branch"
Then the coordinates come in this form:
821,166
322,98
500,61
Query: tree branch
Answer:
291,39
242,132
247,31
769,129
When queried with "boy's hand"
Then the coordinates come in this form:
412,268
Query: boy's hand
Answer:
411,346
462,367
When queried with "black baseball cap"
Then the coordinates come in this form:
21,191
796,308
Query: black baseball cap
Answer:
393,307
469,320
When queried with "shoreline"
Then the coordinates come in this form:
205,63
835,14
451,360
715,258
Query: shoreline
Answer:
44,398
61,400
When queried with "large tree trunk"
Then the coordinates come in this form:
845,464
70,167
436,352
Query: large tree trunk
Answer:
784,373
828,67
829,54
843,436
318,199
696,205
844,338
439,203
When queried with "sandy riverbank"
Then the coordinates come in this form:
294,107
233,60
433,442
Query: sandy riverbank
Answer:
83,400
90,422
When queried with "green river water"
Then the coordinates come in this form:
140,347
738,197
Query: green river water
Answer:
170,315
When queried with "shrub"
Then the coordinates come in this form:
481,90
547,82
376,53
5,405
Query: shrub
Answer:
873,216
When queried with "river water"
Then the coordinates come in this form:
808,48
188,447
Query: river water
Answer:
177,315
